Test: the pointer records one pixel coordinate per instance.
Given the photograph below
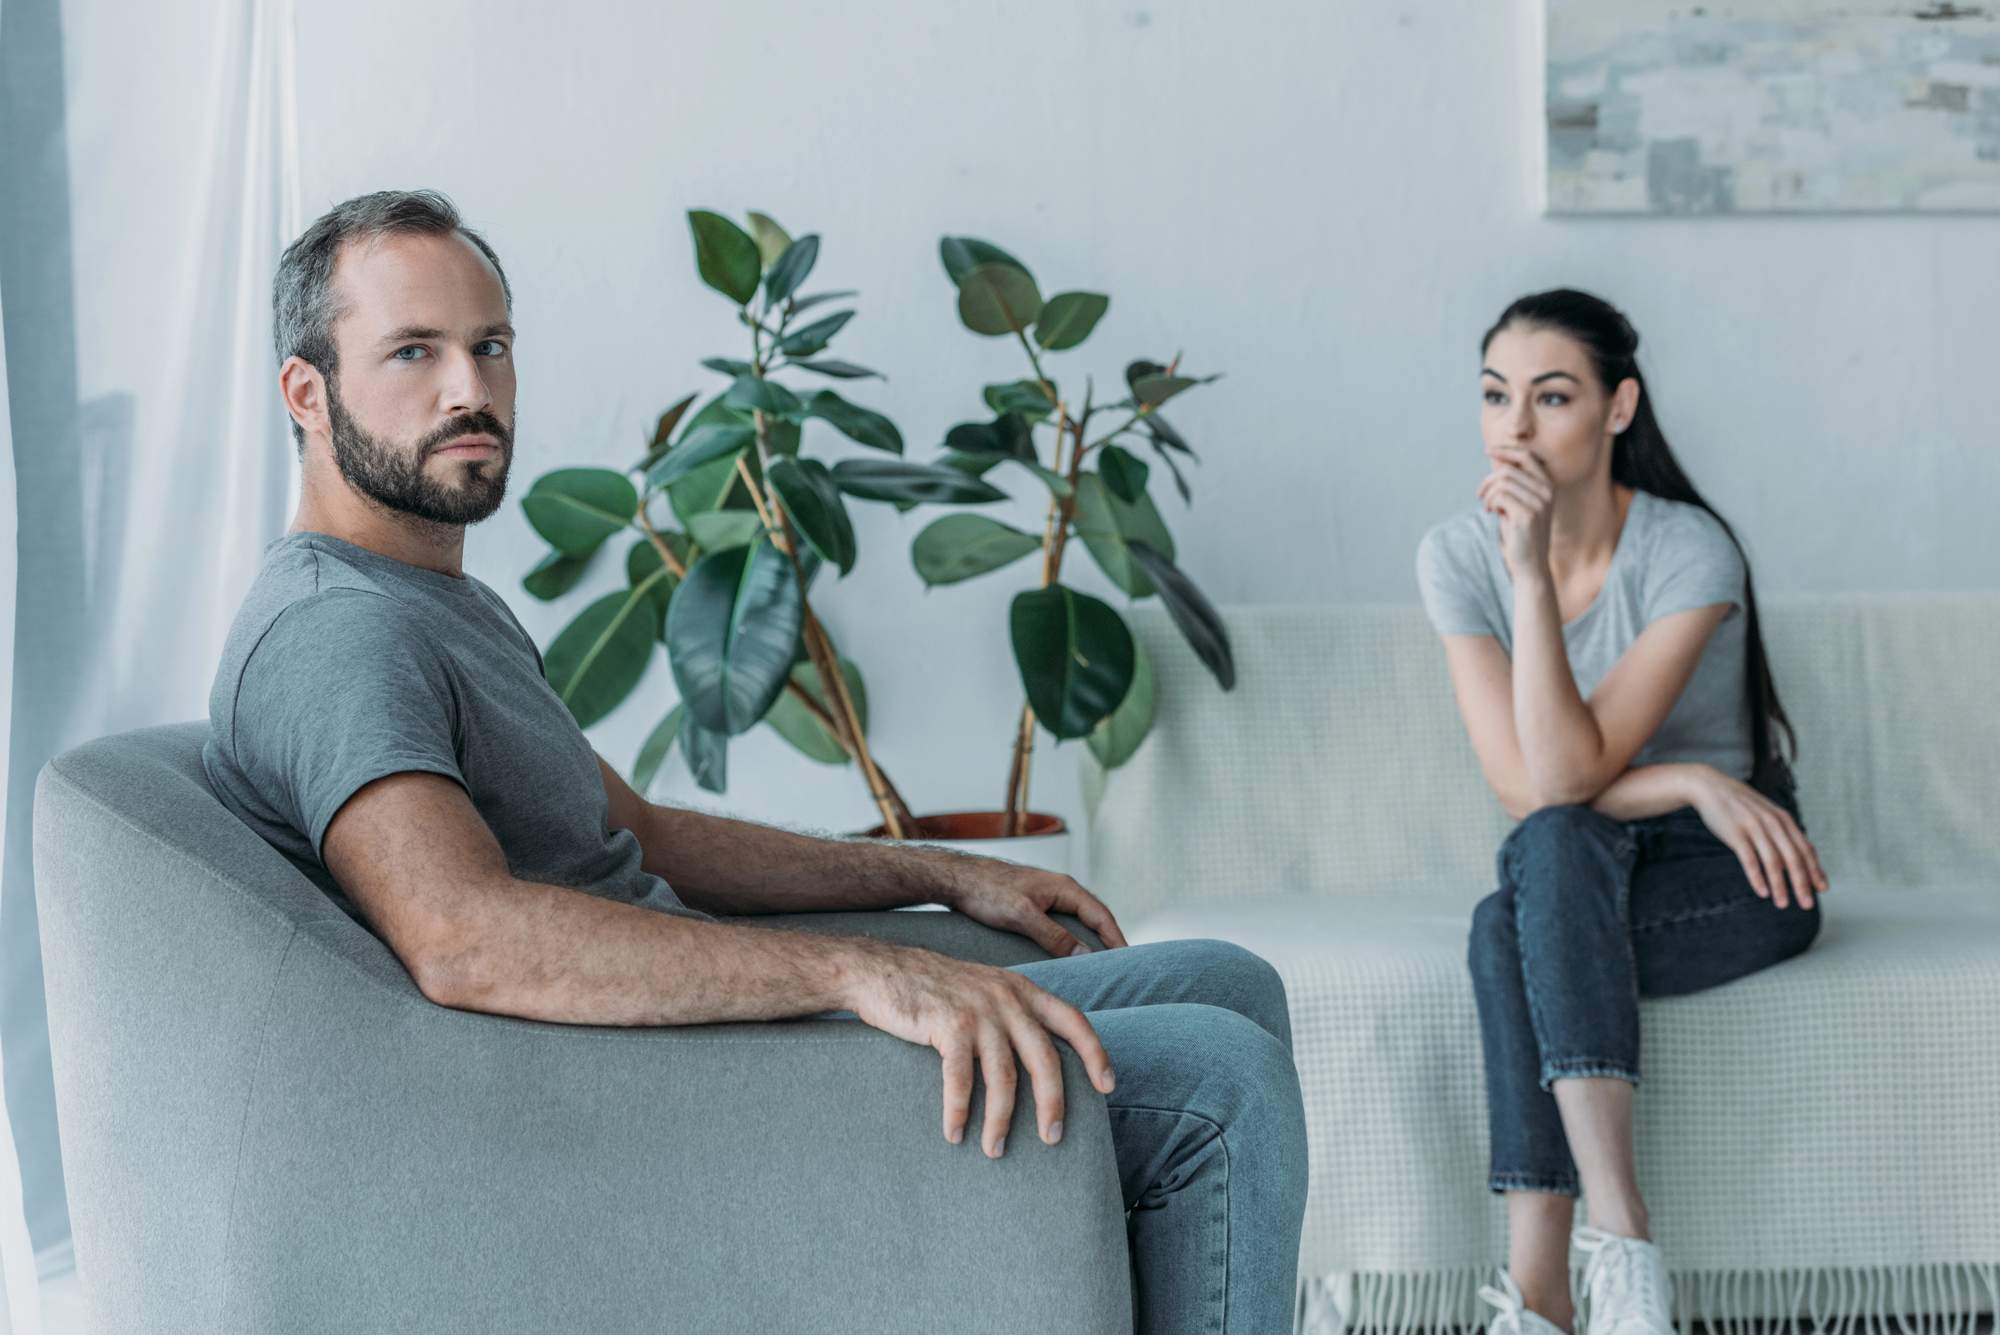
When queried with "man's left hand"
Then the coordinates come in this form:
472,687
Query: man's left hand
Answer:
1020,899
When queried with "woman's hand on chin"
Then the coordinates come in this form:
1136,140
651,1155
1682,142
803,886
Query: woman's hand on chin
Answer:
1521,492
1762,834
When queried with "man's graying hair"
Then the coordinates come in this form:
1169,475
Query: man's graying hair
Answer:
303,308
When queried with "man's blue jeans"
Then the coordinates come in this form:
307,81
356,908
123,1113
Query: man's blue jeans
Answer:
1592,914
1208,1127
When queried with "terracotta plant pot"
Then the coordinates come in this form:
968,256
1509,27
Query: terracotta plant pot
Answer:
1043,841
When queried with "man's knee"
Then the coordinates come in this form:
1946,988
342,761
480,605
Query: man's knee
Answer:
1244,982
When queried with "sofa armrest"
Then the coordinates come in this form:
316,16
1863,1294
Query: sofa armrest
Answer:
511,1176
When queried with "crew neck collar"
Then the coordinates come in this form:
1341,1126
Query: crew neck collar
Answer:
343,550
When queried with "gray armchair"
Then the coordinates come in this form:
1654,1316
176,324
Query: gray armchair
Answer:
267,1128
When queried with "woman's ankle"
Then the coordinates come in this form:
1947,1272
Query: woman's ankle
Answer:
1549,1299
1621,1220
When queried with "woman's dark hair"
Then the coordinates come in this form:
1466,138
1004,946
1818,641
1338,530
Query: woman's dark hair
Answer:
1640,459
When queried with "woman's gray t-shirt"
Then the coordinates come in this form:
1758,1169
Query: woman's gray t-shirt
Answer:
344,666
1671,557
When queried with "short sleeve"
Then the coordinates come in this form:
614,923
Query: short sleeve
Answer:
1694,563
344,688
1450,574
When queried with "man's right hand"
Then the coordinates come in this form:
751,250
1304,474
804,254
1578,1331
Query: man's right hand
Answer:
972,1012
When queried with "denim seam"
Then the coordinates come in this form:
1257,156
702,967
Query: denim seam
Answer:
1499,1182
1223,1140
1624,854
1583,1068
1695,915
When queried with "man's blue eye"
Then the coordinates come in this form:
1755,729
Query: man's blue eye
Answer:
491,347
409,354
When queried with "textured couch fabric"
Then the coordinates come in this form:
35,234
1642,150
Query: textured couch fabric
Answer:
267,1128
1823,1137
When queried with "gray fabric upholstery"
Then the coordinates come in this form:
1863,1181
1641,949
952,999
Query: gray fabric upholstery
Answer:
267,1128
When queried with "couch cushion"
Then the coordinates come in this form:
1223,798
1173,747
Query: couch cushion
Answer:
1791,1119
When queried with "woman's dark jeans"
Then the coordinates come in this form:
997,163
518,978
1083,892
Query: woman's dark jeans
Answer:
1592,914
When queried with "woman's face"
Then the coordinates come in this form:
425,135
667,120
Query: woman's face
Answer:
1542,395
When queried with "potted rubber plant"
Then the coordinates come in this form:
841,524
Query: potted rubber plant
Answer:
731,524
1084,674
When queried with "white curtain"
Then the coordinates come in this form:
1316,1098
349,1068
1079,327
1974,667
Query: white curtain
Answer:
154,463
20,1304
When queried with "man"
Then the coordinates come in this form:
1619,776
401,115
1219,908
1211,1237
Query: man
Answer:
381,718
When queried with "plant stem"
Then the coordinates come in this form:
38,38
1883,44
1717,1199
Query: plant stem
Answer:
667,557
1017,775
840,710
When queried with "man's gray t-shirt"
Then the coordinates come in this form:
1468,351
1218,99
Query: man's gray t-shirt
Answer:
1671,557
344,666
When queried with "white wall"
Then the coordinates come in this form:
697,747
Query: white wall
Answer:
1329,202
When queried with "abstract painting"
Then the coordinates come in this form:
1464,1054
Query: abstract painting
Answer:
1773,106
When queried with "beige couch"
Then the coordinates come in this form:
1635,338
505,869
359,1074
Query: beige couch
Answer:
1822,1138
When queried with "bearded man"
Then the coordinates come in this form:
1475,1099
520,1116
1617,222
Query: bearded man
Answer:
381,718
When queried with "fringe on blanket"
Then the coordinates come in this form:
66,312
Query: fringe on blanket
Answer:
1939,1299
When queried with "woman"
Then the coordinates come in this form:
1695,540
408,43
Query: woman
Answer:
1603,641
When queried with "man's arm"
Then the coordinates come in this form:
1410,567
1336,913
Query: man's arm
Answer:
730,866
413,854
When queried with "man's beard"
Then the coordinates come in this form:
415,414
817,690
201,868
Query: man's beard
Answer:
394,475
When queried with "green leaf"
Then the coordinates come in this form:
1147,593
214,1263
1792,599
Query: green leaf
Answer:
1075,656
555,575
772,240
901,482
840,370
643,561
789,269
960,546
1154,390
1053,480
963,254
658,743
1024,397
731,635
1068,318
750,393
726,366
1009,436
796,724
1163,433
1107,524
1123,473
664,429
704,489
728,259
801,305
706,753
576,509
720,530
974,465
784,435
812,498
862,425
1115,739
704,444
805,342
1197,618
599,657
997,299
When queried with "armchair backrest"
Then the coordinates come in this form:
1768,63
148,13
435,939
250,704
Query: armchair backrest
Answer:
1339,765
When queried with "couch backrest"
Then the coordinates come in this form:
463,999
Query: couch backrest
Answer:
1338,765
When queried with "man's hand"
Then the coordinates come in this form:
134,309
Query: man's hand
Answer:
971,1012
1020,899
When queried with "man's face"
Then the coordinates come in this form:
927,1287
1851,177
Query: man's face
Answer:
422,402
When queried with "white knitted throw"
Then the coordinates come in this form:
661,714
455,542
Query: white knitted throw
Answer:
1819,1140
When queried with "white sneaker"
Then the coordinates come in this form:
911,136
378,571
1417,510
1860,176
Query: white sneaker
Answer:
1512,1316
1626,1290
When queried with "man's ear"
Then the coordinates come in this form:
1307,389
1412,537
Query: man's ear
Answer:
304,389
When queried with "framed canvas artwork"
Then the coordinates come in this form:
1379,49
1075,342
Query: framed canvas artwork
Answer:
1772,106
